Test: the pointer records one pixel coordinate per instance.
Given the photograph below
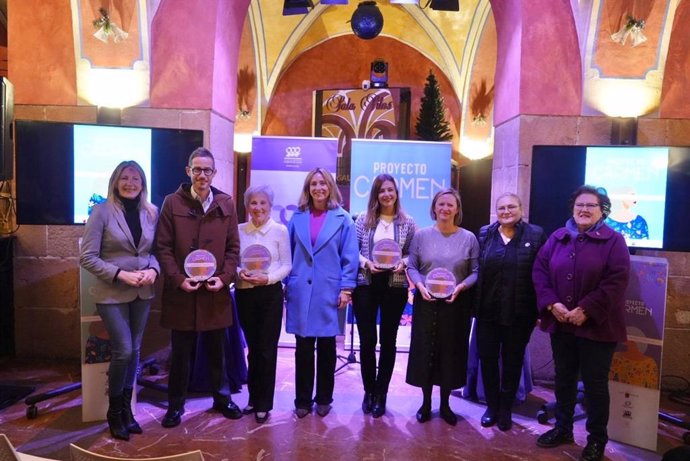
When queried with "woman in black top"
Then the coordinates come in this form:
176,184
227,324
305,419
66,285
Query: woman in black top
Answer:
506,305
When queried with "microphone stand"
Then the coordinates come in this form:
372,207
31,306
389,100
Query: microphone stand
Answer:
351,357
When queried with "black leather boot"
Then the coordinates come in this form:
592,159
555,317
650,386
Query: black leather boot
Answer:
117,428
505,411
379,408
128,420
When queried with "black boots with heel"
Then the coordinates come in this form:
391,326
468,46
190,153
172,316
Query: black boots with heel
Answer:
117,428
130,423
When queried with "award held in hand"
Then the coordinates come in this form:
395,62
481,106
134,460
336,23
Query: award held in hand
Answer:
386,254
440,283
200,265
255,259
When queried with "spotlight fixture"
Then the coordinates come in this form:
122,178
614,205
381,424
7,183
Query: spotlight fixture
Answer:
445,5
379,73
291,7
367,20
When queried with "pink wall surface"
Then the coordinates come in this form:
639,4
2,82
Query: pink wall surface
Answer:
229,23
675,97
41,61
508,18
538,70
182,69
198,73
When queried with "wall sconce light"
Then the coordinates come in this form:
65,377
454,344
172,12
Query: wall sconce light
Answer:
476,149
243,143
632,28
367,20
379,73
292,7
107,28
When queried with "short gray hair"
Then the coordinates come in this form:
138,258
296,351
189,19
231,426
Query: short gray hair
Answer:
259,189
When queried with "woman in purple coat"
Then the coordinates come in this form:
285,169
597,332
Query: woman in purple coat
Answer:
580,276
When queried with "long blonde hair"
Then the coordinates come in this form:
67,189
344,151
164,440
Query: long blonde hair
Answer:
114,196
334,197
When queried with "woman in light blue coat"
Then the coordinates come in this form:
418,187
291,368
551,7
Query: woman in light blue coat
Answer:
319,287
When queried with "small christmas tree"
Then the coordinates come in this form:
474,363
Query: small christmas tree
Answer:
431,121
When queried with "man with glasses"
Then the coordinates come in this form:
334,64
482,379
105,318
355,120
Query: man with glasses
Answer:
197,217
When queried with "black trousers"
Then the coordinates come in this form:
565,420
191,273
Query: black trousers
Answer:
368,302
183,346
304,370
591,360
261,313
501,355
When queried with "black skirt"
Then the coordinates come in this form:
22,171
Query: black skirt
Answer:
439,342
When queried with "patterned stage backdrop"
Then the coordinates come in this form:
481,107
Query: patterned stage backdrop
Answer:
376,113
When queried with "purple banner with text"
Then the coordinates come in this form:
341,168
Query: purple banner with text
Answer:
636,367
283,163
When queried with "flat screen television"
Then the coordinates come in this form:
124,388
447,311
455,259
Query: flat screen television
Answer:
649,187
63,168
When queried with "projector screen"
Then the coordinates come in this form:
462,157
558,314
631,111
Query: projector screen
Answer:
648,188
63,168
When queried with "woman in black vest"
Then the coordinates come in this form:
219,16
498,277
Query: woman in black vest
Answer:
506,308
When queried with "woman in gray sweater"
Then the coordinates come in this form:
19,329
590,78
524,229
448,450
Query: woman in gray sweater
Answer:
441,327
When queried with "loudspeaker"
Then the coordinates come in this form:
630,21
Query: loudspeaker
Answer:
445,5
6,131
291,7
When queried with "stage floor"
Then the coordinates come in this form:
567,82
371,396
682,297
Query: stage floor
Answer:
345,434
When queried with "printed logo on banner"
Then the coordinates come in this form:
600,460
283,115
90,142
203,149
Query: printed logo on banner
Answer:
293,157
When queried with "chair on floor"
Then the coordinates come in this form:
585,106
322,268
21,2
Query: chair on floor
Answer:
8,453
81,454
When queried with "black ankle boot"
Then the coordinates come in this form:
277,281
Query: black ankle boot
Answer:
505,411
379,408
489,417
114,416
128,420
368,402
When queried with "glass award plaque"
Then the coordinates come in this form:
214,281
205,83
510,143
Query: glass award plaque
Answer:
440,283
200,265
386,254
255,258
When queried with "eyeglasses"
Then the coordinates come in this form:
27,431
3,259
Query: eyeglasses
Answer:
507,208
586,206
207,171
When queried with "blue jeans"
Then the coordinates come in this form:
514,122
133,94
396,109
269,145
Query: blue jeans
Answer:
592,360
125,324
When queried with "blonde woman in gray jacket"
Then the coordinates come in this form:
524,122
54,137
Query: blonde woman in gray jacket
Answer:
116,248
